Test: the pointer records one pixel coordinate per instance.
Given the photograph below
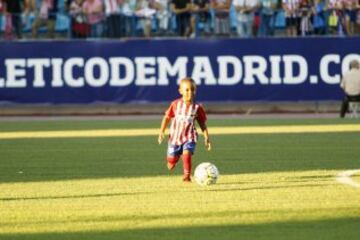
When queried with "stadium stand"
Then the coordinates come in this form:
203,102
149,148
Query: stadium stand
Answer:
347,21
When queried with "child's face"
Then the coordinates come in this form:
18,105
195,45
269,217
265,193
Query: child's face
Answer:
187,90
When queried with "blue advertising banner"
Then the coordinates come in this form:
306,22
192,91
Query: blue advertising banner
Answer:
73,72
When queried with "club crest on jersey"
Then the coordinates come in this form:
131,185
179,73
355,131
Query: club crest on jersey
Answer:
185,118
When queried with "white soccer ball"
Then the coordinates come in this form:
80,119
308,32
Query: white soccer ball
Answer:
206,174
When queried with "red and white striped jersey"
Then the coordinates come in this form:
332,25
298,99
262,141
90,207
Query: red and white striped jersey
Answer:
182,128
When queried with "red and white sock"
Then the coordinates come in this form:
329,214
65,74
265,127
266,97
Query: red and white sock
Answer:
187,165
171,162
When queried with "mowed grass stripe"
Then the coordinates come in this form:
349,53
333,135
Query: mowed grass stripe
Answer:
213,131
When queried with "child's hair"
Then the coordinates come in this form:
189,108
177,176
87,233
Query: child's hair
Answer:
354,64
188,79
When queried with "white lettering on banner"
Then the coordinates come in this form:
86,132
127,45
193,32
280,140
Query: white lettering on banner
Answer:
145,66
227,70
224,62
129,71
38,64
203,70
324,68
57,80
90,77
68,72
275,70
165,68
15,68
255,66
289,61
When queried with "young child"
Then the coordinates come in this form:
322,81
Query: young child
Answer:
183,136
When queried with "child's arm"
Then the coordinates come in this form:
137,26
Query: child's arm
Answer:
163,127
206,135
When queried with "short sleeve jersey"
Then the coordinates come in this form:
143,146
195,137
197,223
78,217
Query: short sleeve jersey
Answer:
182,128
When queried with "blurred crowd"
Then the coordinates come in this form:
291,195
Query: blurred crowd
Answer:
32,19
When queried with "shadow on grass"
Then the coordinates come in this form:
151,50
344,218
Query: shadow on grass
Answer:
343,228
233,187
144,218
72,196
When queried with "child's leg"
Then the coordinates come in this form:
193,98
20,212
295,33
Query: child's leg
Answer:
173,155
188,151
171,161
186,157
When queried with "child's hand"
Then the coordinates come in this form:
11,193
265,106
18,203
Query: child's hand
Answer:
161,137
207,144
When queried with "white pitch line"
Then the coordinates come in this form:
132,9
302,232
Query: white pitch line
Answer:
345,178
331,128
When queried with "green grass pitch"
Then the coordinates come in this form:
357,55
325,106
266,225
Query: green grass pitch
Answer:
272,186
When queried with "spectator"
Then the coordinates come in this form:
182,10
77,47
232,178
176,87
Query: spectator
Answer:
350,83
127,10
2,14
2,11
45,15
267,17
94,13
245,16
200,16
181,9
15,8
291,8
256,24
336,17
162,15
319,19
305,12
6,21
113,21
222,21
79,27
357,22
350,8
145,12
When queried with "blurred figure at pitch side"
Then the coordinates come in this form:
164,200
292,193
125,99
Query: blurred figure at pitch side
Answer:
350,83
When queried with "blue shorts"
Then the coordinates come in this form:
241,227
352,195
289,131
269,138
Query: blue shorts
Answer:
177,150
